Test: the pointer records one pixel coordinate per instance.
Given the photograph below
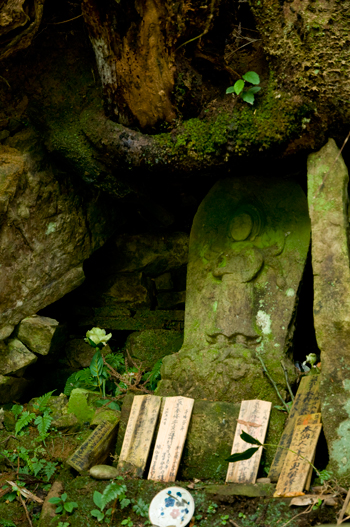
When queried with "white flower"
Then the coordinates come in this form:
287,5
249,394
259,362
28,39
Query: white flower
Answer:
98,336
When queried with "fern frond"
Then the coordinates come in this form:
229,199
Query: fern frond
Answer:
49,469
112,492
24,421
43,423
42,402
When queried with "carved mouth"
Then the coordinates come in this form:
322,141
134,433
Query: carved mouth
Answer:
236,338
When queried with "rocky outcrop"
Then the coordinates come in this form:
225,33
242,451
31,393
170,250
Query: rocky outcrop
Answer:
328,204
47,229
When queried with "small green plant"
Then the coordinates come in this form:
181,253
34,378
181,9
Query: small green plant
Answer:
317,505
140,508
33,464
127,522
112,374
242,515
7,523
224,519
153,377
63,524
113,491
212,508
42,422
247,93
63,505
324,475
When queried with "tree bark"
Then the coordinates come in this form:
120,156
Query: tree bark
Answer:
19,22
135,46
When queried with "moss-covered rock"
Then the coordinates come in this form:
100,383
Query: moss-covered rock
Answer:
79,405
328,203
149,346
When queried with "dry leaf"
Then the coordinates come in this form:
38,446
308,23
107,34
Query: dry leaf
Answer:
304,501
330,501
288,494
247,423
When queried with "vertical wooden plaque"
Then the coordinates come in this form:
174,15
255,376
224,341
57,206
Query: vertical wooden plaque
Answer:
295,469
139,434
311,419
171,438
307,401
253,418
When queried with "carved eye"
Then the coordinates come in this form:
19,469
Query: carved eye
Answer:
241,227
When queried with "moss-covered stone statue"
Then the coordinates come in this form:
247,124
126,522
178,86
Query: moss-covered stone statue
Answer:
248,247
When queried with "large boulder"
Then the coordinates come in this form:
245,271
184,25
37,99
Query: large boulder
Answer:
41,334
328,204
48,228
248,247
15,358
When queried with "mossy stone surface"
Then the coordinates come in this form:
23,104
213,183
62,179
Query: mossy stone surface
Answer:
79,405
248,247
151,345
328,203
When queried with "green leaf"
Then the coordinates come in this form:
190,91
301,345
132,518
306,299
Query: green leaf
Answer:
96,365
249,439
242,456
125,503
238,86
16,409
230,89
114,406
97,497
254,89
112,492
64,496
12,496
43,423
251,77
42,402
59,509
23,421
49,469
97,514
70,505
248,97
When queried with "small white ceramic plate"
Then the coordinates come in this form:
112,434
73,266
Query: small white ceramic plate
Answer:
171,507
